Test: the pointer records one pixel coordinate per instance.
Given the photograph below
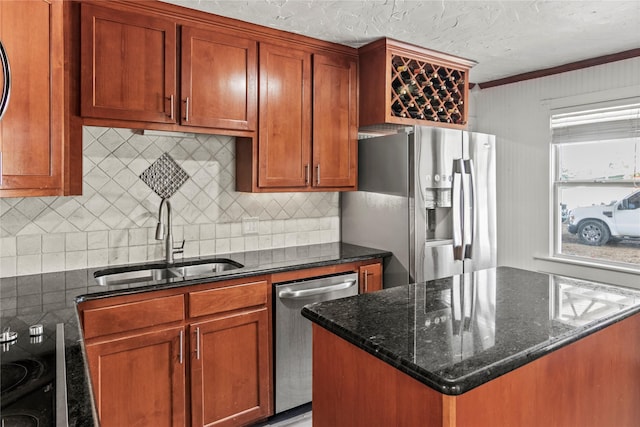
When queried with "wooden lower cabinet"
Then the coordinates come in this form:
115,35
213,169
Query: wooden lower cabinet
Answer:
147,351
230,369
139,380
370,277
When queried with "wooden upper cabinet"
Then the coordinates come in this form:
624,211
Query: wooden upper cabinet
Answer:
128,65
308,132
131,65
32,129
284,144
404,84
335,117
219,80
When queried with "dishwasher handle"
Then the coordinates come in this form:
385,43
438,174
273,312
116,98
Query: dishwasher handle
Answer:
288,294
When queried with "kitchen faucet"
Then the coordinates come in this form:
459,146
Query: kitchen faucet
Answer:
165,232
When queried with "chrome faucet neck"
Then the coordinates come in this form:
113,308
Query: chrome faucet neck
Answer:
165,232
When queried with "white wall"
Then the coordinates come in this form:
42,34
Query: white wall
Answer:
518,114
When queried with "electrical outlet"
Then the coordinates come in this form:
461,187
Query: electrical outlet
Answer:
250,225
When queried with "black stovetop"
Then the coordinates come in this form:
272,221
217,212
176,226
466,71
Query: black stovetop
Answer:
28,376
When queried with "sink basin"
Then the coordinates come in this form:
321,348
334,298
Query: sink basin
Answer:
207,268
143,275
109,277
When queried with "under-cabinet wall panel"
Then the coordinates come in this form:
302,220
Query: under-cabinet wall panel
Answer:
114,221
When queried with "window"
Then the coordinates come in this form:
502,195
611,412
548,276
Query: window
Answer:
596,184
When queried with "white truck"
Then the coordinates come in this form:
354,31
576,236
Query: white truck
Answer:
596,225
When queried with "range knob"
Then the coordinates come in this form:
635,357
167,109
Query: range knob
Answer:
36,330
8,335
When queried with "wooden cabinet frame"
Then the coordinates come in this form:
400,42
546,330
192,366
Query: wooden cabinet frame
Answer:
40,147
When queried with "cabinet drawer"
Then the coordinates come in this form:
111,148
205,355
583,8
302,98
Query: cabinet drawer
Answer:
228,298
133,315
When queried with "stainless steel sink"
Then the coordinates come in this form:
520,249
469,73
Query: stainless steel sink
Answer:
110,277
143,275
207,268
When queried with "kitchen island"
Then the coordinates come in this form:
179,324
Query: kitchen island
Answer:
498,347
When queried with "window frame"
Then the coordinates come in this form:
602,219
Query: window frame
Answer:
556,185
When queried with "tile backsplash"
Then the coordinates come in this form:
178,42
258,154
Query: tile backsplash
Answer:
114,221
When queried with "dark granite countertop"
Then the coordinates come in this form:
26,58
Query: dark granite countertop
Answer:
254,263
457,333
51,298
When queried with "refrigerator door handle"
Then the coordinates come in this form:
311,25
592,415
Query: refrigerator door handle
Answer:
457,208
470,214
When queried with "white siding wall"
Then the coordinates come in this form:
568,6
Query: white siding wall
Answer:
518,114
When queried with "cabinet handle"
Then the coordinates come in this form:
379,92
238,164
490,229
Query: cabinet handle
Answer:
171,116
0,168
198,343
366,281
181,346
318,174
6,89
186,110
306,174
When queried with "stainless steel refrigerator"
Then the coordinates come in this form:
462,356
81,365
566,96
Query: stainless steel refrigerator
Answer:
429,196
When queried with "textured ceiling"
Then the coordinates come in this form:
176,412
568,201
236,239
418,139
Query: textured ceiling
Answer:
504,37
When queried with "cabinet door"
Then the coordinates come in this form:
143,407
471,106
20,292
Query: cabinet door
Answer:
128,65
140,380
284,147
219,80
230,369
31,131
335,127
370,278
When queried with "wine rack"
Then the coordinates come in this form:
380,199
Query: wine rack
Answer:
402,84
425,91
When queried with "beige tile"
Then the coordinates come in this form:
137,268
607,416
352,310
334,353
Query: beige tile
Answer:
29,245
8,246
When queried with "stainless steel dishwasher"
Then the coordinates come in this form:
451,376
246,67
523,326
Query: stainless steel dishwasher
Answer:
293,333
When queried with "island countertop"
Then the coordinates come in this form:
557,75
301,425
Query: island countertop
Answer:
457,333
